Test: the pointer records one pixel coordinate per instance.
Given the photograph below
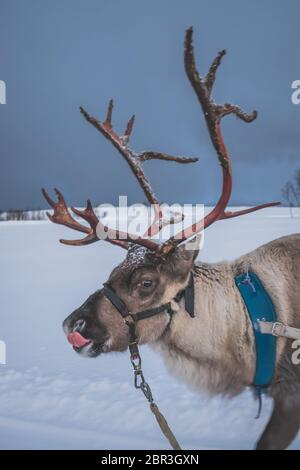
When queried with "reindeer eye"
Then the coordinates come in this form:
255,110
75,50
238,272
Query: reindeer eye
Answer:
147,283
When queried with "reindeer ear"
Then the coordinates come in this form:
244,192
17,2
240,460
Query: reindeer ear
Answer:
180,261
190,249
193,244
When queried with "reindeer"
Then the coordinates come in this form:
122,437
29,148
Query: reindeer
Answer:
215,350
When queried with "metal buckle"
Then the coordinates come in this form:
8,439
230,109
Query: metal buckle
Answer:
275,326
129,319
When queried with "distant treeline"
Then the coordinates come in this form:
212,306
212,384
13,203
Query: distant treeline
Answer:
40,214
24,214
21,214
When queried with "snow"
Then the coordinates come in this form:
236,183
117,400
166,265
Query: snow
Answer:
51,398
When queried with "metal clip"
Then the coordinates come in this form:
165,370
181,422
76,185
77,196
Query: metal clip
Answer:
276,325
136,362
138,378
247,280
145,387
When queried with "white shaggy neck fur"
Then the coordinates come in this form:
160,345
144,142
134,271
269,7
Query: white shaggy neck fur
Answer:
215,351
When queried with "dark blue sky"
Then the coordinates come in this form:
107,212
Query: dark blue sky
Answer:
58,55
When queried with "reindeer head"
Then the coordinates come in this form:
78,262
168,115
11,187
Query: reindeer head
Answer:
152,274
142,282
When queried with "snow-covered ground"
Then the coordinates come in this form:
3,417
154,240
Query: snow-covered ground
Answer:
53,399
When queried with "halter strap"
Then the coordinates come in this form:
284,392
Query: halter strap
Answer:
115,300
187,293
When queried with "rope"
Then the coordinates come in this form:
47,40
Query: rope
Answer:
165,428
141,384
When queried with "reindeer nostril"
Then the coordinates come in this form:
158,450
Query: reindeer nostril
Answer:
79,325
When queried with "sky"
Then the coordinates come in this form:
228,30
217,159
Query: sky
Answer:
58,55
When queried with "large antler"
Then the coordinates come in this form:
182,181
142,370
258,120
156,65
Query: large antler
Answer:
135,161
213,114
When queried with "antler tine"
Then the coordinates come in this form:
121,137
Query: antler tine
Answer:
144,156
129,127
108,120
213,114
61,213
211,75
230,214
228,108
87,214
62,216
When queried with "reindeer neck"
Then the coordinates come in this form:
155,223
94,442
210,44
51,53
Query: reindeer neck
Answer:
214,350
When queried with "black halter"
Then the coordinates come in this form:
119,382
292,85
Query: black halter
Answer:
131,319
135,358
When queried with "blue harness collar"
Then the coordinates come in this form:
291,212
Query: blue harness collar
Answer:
260,308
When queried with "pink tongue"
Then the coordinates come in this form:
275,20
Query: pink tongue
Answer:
77,340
